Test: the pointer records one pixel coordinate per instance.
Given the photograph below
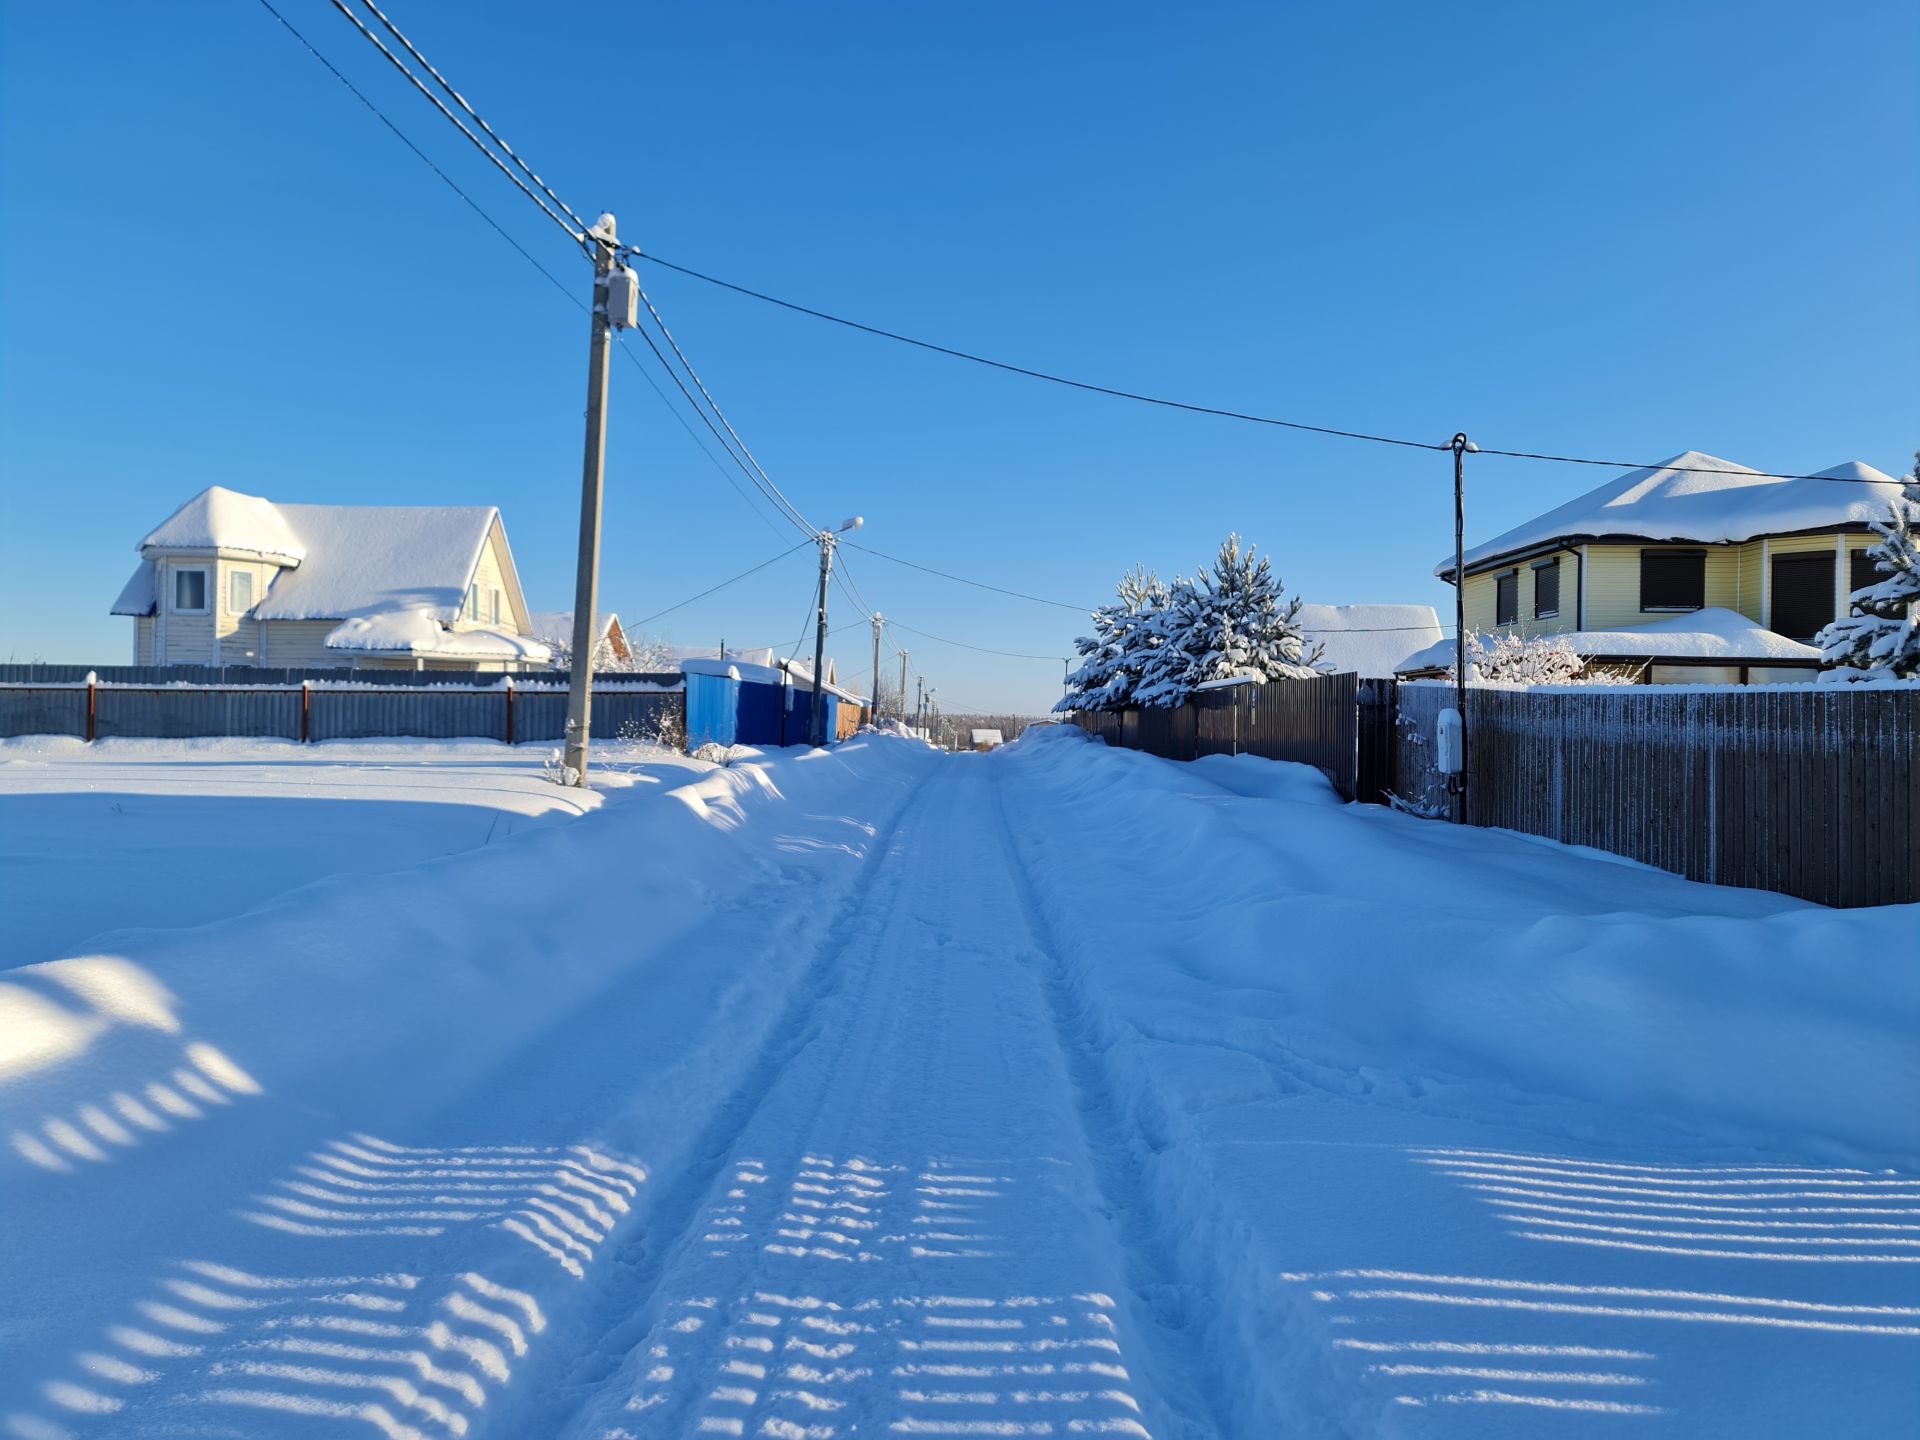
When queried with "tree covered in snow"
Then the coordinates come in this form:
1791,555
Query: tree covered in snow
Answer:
1881,638
1125,633
1529,660
1230,622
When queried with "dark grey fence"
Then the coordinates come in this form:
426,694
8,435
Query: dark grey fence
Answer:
1312,721
36,673
512,714
1809,792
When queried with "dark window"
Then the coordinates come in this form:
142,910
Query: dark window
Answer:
1506,598
1673,579
1546,589
1802,594
1863,572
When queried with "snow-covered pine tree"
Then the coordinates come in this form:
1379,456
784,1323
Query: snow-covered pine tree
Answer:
1881,638
1230,622
1112,658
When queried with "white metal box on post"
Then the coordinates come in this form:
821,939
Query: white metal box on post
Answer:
623,298
1449,742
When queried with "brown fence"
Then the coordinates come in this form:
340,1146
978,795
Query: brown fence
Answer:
1808,792
1312,721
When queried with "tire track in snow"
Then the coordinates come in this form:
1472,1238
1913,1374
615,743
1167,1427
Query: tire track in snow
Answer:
1176,1304
624,1311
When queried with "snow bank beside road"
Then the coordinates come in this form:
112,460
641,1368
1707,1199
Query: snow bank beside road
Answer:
1476,958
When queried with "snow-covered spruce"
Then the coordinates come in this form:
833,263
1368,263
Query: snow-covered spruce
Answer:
1162,642
1880,640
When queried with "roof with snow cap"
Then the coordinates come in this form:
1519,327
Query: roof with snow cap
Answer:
339,561
1712,636
1674,501
420,632
1368,640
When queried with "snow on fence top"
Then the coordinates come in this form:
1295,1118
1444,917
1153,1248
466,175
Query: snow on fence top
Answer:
1672,501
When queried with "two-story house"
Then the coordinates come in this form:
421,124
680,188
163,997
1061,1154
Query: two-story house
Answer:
233,579
1696,570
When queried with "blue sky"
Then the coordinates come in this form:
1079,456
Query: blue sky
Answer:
1624,229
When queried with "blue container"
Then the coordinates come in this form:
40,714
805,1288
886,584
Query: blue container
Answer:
713,711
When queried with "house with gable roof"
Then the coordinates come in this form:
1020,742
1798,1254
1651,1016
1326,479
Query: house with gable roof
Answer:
235,579
1695,570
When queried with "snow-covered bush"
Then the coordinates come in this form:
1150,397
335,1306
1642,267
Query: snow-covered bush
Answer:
1880,640
1531,660
1160,642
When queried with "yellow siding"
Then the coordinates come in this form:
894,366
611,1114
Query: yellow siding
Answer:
489,575
1613,583
239,635
1480,598
300,642
1750,581
185,639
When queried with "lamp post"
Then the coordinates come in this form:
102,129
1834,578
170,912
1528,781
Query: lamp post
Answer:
826,539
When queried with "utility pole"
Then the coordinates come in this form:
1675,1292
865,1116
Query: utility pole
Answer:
920,703
1460,445
903,687
616,293
878,621
827,539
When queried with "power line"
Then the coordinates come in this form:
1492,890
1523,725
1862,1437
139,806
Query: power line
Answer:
963,580
983,649
461,101
1219,411
439,105
721,586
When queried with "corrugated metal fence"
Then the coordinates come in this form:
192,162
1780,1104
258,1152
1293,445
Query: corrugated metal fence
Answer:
1808,792
36,673
1312,721
335,712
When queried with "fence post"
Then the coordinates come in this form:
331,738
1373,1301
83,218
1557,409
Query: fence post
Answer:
92,683
306,707
509,685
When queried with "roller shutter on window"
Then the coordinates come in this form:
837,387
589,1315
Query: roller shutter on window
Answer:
1506,598
1673,579
1546,589
1802,594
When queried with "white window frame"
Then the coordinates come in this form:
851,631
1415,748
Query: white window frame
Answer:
473,603
173,595
232,576
495,606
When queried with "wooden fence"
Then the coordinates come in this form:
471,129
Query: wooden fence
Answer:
509,713
1312,721
1808,792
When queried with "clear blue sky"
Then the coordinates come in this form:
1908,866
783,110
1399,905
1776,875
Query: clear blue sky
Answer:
1618,229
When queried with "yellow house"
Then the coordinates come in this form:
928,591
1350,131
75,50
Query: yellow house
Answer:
1696,570
233,579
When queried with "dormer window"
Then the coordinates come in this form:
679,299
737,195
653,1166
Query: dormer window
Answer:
190,592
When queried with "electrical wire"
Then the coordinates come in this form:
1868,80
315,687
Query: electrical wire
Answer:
963,580
983,649
461,101
502,232
721,586
1219,411
478,143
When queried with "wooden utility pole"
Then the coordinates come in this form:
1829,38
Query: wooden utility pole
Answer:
873,715
593,470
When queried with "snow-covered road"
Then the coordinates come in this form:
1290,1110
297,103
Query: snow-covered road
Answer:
1050,1092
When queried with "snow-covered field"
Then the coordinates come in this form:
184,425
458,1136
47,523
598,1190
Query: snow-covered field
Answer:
1058,1090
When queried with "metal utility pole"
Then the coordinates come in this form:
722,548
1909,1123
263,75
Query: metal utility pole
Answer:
878,621
827,540
903,687
615,298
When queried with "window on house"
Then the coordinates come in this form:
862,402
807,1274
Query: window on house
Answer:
1506,598
494,606
1802,601
1673,579
239,591
1546,589
473,603
190,592
1862,571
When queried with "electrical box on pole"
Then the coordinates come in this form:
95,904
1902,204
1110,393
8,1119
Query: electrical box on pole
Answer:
623,298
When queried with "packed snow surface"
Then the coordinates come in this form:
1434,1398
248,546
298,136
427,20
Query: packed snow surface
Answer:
1681,499
1059,1090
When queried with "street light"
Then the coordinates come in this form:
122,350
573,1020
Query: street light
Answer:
826,539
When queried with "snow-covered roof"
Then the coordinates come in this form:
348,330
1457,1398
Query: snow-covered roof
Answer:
558,625
222,519
1369,640
421,632
987,737
1712,636
681,653
1674,502
137,596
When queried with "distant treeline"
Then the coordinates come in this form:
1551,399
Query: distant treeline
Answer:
956,730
